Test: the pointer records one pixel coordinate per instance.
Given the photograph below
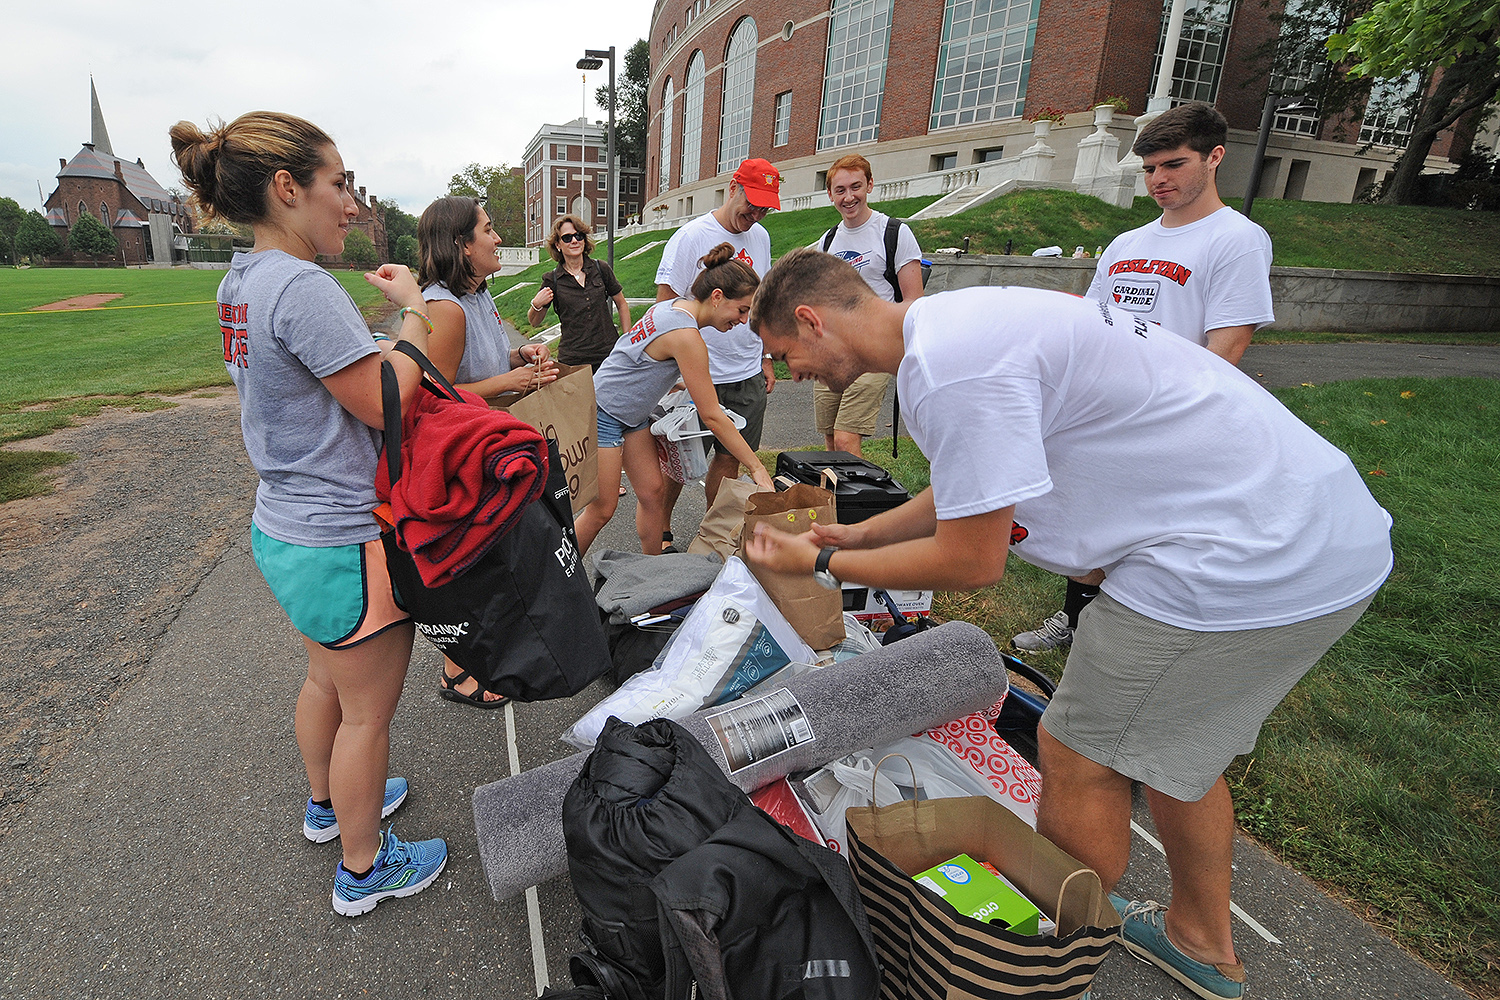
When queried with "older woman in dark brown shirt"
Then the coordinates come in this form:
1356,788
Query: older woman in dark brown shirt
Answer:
580,289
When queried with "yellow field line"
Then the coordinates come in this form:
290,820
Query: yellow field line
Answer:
91,309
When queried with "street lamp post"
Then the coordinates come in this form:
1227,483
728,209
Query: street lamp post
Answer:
593,59
1273,105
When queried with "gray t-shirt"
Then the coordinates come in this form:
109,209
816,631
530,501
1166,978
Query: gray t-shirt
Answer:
287,324
486,347
630,382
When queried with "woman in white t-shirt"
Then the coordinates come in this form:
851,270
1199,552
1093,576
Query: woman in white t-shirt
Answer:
458,247
308,376
664,346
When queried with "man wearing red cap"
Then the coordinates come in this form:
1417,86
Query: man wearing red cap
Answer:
740,368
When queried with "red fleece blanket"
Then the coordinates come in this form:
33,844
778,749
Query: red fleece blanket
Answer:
467,473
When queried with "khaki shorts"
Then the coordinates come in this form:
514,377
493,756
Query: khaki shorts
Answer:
1172,708
854,411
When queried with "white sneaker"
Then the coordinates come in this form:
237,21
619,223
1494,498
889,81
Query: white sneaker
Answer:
1053,633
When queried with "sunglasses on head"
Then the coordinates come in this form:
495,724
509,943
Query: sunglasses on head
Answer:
570,237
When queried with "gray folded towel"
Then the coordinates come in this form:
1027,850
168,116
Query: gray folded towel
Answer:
635,583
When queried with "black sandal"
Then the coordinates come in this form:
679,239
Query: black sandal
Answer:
448,688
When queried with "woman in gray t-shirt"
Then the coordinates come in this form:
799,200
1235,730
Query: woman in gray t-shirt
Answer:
665,345
308,376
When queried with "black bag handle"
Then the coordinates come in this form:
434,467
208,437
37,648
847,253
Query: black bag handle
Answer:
390,400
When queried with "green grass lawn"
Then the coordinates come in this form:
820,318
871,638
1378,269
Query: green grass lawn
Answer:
1379,776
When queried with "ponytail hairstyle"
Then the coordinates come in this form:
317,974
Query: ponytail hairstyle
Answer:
229,168
445,228
722,272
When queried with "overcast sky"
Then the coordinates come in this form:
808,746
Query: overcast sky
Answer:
411,92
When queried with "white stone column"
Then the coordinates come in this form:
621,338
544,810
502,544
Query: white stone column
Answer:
1099,151
1036,161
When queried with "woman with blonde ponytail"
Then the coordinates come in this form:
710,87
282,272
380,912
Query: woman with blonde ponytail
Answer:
308,376
665,346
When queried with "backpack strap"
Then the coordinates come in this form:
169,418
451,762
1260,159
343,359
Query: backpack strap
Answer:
892,234
828,238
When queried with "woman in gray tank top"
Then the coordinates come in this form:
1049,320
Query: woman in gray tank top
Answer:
664,346
458,245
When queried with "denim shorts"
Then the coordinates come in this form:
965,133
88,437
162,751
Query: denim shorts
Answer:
612,432
337,596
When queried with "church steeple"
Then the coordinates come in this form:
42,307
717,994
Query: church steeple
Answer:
99,134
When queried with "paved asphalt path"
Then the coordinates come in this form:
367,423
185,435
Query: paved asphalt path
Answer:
162,854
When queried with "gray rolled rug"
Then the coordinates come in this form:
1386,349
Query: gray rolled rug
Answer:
927,680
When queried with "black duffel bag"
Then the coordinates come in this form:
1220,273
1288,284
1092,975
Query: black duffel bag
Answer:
522,619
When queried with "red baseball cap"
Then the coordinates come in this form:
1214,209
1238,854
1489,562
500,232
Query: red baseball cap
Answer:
761,181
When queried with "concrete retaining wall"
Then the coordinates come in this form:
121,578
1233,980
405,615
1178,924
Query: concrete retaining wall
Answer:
1306,298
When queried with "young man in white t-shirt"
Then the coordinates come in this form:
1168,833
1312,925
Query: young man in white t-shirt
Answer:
737,363
1202,271
1237,546
847,418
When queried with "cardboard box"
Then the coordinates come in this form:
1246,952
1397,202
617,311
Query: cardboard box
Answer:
860,602
974,890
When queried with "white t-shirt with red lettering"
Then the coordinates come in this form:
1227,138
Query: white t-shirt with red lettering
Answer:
734,354
1208,504
1191,279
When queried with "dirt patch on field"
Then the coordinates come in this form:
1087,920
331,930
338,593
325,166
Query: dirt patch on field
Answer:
80,302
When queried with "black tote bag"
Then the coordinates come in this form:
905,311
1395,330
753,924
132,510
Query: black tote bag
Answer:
522,619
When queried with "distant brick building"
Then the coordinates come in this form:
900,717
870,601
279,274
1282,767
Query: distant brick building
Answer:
144,217
933,85
566,173
370,220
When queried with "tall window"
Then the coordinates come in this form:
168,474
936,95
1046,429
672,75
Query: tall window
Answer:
783,129
692,119
859,33
1200,49
664,180
984,61
739,93
1387,120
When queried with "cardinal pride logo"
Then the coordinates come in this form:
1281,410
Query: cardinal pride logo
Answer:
1136,295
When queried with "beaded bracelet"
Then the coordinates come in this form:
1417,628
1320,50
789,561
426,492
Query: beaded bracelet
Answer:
417,313
378,336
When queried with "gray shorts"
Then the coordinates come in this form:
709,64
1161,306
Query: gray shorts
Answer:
748,399
1170,707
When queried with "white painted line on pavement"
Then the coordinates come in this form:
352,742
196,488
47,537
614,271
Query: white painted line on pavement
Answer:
1245,918
533,906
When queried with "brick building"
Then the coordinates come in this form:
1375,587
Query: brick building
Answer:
145,218
370,220
931,85
566,171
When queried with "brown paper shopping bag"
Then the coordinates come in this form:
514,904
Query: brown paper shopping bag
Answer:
816,612
564,411
720,531
930,951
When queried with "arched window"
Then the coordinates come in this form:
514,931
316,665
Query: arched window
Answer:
739,95
984,61
82,209
859,33
104,213
692,120
668,109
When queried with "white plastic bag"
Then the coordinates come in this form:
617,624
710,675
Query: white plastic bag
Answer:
682,441
733,639
940,774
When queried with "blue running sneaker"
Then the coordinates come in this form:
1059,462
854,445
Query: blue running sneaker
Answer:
401,869
1144,934
320,825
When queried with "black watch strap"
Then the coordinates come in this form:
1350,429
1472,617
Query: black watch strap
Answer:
821,566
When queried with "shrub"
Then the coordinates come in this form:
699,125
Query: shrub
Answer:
89,235
36,239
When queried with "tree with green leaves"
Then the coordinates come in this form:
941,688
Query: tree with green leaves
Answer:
359,249
11,214
630,104
1450,47
35,239
398,223
91,236
407,251
505,198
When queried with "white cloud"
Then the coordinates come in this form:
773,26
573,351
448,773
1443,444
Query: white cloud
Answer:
410,92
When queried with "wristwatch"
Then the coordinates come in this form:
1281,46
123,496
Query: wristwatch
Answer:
821,572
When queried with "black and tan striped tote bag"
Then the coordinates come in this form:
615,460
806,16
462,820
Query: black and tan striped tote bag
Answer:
930,951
